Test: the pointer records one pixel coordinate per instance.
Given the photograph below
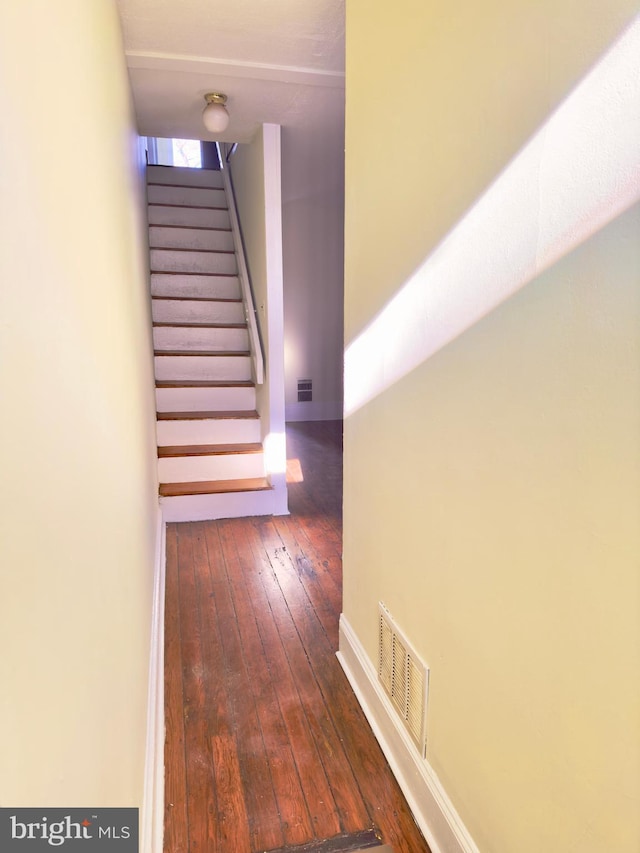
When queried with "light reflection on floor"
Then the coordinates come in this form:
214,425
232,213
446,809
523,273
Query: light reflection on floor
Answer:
294,471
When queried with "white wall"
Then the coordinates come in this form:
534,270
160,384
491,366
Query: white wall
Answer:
313,227
255,168
78,514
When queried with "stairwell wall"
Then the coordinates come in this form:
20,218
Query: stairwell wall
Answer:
492,495
256,173
79,514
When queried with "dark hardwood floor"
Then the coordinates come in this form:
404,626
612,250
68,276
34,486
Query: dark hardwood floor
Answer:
266,746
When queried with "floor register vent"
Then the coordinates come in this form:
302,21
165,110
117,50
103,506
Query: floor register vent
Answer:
404,677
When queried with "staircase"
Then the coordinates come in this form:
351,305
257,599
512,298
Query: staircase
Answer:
210,453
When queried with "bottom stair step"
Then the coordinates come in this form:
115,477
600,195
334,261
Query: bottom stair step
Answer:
192,501
214,487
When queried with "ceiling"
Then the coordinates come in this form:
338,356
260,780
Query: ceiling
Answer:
278,61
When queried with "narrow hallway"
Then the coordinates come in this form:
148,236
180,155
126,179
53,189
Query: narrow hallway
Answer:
266,746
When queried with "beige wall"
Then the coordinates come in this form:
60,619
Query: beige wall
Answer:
78,511
492,496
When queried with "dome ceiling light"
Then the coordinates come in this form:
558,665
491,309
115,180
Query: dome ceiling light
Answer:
215,115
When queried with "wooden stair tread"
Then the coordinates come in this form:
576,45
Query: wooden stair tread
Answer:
195,299
183,249
200,352
167,451
244,414
183,324
204,383
190,272
214,487
184,186
195,206
190,227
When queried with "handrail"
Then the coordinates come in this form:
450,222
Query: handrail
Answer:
255,344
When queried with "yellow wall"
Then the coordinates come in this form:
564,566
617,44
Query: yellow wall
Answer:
78,510
492,496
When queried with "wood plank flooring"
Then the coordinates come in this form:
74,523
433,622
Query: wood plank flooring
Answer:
266,746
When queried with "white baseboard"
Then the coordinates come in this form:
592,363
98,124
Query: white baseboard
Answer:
152,813
320,410
433,811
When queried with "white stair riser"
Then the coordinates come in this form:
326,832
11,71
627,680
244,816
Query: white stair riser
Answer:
204,507
191,338
193,216
183,175
194,196
174,260
210,431
180,311
205,399
175,367
204,286
189,469
190,238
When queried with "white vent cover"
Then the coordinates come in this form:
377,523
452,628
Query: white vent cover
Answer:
404,677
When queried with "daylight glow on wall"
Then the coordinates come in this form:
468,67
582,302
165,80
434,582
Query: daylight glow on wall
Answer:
275,453
580,171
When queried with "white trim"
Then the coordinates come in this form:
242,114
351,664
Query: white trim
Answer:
234,68
152,813
316,410
272,153
432,809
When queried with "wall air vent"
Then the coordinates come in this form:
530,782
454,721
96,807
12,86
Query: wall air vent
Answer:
404,677
304,390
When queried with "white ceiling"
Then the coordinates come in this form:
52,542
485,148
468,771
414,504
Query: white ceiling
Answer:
278,61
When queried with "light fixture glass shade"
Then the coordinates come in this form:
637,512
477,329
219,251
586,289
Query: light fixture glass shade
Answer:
215,116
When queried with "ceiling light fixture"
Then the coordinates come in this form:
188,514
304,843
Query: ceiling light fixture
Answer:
215,115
